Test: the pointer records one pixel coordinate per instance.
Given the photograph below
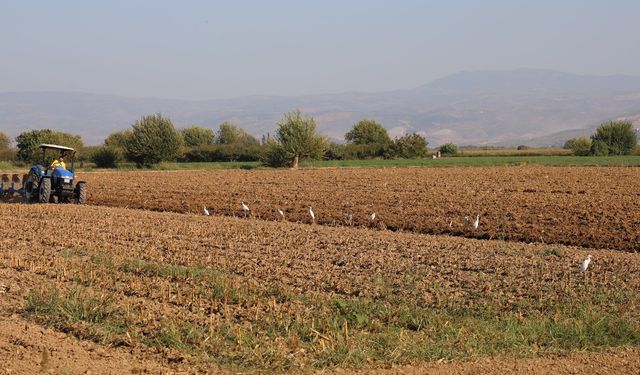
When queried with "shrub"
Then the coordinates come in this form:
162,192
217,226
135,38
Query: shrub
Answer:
106,157
599,148
410,146
579,146
618,136
523,147
231,134
154,139
352,151
276,156
448,149
216,153
197,136
334,151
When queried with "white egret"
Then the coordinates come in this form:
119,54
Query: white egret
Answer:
476,223
281,213
585,263
245,208
206,212
313,215
372,218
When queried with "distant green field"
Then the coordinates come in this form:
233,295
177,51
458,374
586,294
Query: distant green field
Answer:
456,161
471,161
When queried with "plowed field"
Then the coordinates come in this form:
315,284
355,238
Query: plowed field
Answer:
591,207
187,292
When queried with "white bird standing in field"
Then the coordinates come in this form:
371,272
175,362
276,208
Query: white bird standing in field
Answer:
245,208
372,217
476,223
585,263
206,212
350,219
281,213
313,215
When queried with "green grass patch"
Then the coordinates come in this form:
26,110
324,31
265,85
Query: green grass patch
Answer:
79,311
267,328
165,270
553,252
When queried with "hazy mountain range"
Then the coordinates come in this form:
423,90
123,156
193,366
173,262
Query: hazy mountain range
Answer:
526,106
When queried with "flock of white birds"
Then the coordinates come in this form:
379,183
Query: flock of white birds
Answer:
372,218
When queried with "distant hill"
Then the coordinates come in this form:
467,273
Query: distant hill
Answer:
484,107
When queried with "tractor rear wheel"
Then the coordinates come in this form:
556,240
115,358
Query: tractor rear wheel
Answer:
30,186
81,193
44,193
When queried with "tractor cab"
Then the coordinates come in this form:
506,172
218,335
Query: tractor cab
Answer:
51,182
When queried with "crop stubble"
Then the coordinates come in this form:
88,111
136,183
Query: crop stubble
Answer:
234,279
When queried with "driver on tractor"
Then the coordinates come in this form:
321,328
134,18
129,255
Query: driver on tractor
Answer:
59,162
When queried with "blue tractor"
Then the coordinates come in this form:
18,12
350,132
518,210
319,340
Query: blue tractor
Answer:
49,185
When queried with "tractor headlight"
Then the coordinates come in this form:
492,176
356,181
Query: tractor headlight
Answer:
67,180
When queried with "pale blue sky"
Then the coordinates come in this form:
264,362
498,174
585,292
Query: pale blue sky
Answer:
215,49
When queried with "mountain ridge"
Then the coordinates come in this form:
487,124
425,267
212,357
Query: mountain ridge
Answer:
482,107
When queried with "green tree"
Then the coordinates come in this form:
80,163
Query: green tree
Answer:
295,138
619,136
367,132
410,146
197,136
29,141
5,142
118,139
448,149
580,146
154,139
229,134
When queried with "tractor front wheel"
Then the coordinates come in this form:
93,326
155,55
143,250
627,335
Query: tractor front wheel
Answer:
81,193
44,193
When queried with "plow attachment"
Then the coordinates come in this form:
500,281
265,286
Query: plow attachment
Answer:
12,187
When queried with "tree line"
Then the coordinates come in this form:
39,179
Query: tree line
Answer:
153,139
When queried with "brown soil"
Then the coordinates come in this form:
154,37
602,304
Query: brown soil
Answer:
590,207
618,361
28,348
